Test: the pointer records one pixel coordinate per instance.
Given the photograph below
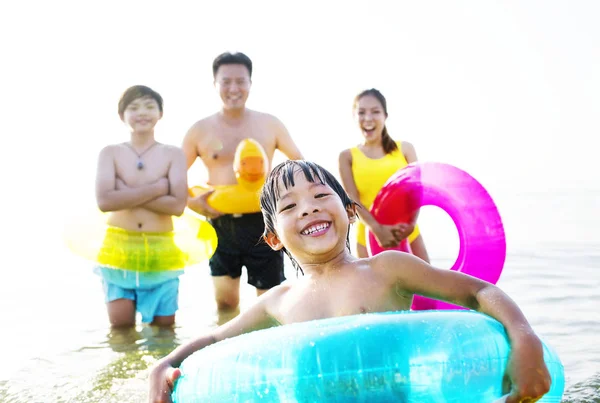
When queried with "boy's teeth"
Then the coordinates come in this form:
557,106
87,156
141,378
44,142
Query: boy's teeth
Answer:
314,228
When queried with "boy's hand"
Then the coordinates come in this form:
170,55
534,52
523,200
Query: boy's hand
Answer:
200,205
527,372
162,380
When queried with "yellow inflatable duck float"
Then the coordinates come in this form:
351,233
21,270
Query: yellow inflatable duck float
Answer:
250,165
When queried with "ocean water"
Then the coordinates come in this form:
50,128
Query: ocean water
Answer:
57,346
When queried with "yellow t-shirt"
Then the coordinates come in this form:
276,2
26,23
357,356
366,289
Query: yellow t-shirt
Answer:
369,177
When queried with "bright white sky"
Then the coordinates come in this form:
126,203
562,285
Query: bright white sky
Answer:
507,90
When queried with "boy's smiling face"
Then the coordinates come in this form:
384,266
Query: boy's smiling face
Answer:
142,114
311,221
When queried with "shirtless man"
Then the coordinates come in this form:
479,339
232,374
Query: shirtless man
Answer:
214,139
143,184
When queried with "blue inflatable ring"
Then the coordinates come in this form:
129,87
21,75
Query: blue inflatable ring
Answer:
423,356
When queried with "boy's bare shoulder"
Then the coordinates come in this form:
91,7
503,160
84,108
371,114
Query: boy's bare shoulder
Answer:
391,261
109,150
169,148
275,295
394,256
173,152
281,289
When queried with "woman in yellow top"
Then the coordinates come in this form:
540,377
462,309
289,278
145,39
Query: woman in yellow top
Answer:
365,169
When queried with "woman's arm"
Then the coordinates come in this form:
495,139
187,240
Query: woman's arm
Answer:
410,154
385,234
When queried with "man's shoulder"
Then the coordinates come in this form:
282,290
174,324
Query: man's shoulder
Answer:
205,122
263,117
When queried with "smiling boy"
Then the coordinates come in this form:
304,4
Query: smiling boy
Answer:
308,215
143,184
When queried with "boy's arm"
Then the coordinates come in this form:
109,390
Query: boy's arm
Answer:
284,141
164,374
109,198
174,202
527,369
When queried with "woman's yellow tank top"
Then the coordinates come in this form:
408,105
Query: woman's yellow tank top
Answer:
371,174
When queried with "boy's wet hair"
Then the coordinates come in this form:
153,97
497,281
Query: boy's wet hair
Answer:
284,174
389,145
136,92
232,58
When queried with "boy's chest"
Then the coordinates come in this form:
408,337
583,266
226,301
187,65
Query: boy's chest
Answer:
135,170
343,299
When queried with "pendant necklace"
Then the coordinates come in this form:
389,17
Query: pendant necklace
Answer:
140,164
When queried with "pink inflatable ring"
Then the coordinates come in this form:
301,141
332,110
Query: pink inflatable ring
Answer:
482,241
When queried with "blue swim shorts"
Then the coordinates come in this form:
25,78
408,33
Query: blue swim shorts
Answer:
161,300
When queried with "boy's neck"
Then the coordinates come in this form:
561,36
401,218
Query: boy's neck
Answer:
328,266
140,139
